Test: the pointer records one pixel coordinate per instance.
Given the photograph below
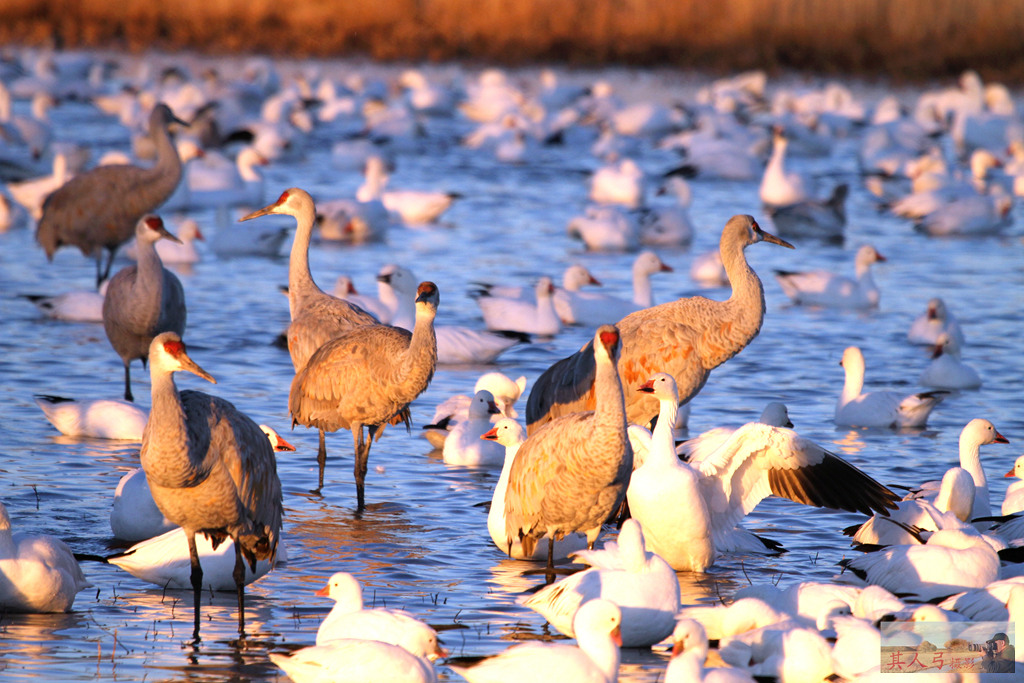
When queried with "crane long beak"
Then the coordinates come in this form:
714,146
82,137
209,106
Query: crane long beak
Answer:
193,367
768,237
167,234
259,212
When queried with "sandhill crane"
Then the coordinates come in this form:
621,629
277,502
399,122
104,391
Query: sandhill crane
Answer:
571,474
98,209
366,377
686,338
143,300
316,316
210,469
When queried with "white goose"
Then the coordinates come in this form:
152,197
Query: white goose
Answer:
345,289
664,494
455,343
349,619
625,573
950,510
449,412
597,628
947,371
989,603
519,316
465,444
510,434
164,561
780,187
701,446
936,319
353,660
831,290
591,309
1014,499
879,408
620,183
77,305
669,225
759,460
975,434
98,419
606,227
40,573
689,652
951,561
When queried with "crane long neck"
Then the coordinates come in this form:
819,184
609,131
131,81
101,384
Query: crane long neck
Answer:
165,453
739,318
166,173
421,357
610,405
149,279
300,280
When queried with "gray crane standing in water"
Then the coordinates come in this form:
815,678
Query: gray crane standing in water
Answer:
143,300
572,473
687,338
210,469
316,316
365,378
98,210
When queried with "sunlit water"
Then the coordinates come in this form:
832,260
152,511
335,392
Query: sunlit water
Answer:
422,544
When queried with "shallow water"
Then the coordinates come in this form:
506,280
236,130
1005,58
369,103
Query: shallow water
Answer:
422,543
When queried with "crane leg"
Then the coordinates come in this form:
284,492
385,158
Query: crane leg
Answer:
106,271
238,574
197,584
321,460
362,457
549,574
128,382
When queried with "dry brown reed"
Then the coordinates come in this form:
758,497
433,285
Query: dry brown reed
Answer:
903,39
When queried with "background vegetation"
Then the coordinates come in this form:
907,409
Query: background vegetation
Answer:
902,39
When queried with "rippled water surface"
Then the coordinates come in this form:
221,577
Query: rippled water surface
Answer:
422,544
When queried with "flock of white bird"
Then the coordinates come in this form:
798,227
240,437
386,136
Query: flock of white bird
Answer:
205,507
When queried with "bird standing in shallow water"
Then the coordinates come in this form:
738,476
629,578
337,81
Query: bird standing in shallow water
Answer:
143,300
367,378
571,474
98,209
686,338
210,469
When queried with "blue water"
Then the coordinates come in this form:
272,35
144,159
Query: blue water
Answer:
422,544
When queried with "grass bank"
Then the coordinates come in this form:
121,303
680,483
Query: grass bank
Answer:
901,39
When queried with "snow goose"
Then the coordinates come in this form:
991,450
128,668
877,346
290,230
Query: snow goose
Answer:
831,290
449,412
947,371
879,408
1014,499
951,561
349,619
780,187
950,510
701,446
759,460
970,216
813,602
352,660
990,602
638,581
689,652
936,319
519,316
40,574
975,434
669,225
412,207
465,444
621,183
164,561
345,289
741,615
606,228
510,434
574,278
597,628
707,269
33,192
183,252
591,309
822,219
350,220
455,343
77,305
98,419
785,650
664,495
